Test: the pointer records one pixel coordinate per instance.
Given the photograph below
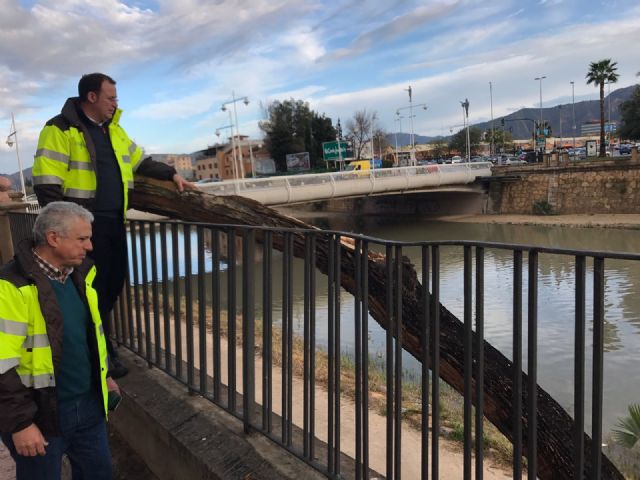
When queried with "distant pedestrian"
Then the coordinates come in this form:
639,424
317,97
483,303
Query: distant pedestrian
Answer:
85,156
53,356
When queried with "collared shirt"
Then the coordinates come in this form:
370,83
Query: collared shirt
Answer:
53,273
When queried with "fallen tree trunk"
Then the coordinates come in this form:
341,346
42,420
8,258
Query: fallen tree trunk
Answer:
555,444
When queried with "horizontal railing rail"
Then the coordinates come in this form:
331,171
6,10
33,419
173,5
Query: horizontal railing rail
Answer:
254,319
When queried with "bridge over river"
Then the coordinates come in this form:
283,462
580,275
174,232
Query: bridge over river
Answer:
323,186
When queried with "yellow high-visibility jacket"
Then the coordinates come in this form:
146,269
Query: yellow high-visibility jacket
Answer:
31,327
64,166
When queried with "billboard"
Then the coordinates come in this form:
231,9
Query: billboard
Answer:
298,162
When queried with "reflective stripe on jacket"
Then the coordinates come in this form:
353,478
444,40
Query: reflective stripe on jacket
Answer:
66,156
31,327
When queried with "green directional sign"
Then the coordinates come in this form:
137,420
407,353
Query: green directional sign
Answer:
330,151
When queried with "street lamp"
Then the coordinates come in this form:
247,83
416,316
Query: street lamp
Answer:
540,80
410,107
10,142
491,103
233,101
233,148
339,135
399,120
465,120
573,112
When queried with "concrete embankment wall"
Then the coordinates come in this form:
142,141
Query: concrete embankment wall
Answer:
610,186
184,437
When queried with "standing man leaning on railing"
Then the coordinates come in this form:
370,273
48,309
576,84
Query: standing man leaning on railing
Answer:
54,388
86,157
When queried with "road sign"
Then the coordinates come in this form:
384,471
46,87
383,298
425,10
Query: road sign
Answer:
330,151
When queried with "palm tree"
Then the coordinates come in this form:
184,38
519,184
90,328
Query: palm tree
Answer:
628,432
600,73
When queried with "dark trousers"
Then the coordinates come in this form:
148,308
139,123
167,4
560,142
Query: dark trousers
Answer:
84,439
110,256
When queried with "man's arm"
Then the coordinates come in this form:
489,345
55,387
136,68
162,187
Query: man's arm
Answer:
51,164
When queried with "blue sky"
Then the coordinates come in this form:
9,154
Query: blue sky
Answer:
176,62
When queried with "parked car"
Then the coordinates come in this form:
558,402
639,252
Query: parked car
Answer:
625,149
457,159
208,180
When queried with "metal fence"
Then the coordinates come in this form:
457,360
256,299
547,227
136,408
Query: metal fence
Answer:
216,307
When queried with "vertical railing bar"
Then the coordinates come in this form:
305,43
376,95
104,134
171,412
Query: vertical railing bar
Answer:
468,360
365,358
136,285
154,294
435,369
216,311
330,353
389,357
306,349
312,342
578,368
131,269
598,365
145,293
248,327
337,362
357,298
517,364
177,310
424,345
398,365
286,272
165,297
532,367
290,345
202,312
267,325
231,319
479,363
188,306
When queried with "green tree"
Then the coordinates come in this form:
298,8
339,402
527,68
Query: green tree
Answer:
292,127
601,72
630,117
439,147
459,140
502,139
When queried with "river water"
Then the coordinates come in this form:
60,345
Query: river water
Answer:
556,287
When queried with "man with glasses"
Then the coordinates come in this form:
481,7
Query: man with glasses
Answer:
85,156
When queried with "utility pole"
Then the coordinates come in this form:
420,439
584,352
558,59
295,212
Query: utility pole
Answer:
492,132
573,110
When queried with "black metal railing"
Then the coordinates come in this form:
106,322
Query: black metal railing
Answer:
201,298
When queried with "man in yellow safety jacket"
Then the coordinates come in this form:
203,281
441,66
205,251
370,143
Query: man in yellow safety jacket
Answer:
85,156
54,387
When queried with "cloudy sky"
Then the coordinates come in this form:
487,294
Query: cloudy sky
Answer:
177,62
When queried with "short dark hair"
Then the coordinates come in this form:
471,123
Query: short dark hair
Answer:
92,82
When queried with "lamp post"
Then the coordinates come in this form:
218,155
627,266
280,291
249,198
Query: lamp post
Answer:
399,120
492,149
233,101
573,113
10,142
539,79
233,149
410,107
339,135
609,115
465,121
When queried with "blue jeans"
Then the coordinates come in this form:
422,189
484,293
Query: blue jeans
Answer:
84,440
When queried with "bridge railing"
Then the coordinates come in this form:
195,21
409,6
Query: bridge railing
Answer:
299,188
256,320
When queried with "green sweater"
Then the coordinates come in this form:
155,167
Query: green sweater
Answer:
73,378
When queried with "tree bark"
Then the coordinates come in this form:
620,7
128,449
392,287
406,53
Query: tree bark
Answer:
555,447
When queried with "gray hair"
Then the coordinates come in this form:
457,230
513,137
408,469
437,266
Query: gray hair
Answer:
58,217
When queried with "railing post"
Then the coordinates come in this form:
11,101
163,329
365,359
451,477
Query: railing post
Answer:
248,328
